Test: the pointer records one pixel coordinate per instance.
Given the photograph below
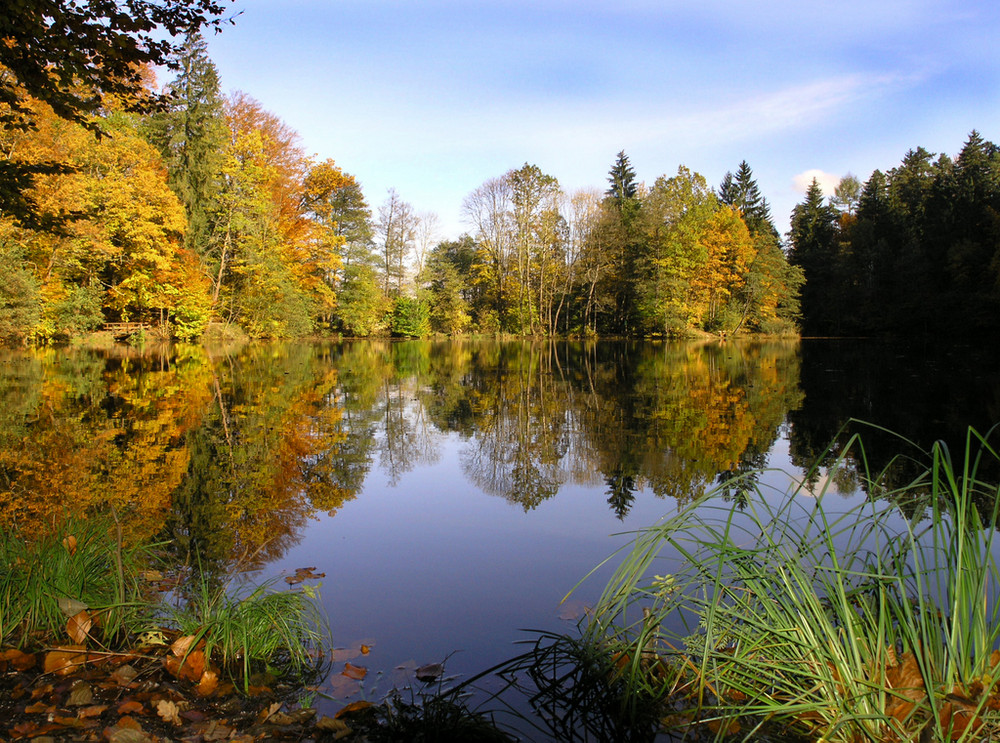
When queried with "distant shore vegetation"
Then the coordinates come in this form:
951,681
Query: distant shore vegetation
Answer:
206,212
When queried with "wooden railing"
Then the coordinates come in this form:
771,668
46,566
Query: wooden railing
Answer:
125,328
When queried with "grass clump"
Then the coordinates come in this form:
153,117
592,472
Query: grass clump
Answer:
80,585
278,632
836,623
79,566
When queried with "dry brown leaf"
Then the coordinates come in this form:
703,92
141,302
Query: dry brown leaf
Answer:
430,672
267,714
168,711
124,675
78,627
129,706
190,668
355,672
732,726
348,709
208,683
24,729
341,687
70,544
338,728
19,660
182,645
339,655
216,731
63,661
365,649
80,695
129,723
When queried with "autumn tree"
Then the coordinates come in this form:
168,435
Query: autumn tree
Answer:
448,276
77,58
768,300
264,260
676,213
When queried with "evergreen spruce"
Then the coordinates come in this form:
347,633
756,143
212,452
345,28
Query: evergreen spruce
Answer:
191,134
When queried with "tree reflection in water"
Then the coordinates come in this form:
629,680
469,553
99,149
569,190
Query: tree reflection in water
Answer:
229,454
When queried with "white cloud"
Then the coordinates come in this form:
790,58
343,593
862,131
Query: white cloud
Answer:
827,181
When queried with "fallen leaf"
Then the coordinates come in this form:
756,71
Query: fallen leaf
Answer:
70,607
365,649
302,574
94,710
168,711
216,731
78,627
430,672
130,706
63,661
342,687
297,717
39,708
355,672
182,645
40,691
70,544
208,684
189,668
124,675
339,655
338,728
19,660
732,727
351,708
126,731
73,722
266,714
130,723
24,729
571,610
80,694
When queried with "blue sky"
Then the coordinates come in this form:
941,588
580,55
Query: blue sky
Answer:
434,97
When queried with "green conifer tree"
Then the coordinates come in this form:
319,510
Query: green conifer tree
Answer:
191,134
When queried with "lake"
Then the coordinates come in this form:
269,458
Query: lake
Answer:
452,492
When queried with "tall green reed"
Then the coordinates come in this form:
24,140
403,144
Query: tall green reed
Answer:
840,623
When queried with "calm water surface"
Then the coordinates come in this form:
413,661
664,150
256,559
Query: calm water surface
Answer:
452,493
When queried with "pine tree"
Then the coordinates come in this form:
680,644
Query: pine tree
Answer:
624,207
742,192
622,179
813,247
191,135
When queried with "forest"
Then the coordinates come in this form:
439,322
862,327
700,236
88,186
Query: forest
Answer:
207,212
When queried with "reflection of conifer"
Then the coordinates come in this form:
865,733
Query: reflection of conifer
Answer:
621,492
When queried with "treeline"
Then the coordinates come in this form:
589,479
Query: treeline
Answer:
210,211
915,250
